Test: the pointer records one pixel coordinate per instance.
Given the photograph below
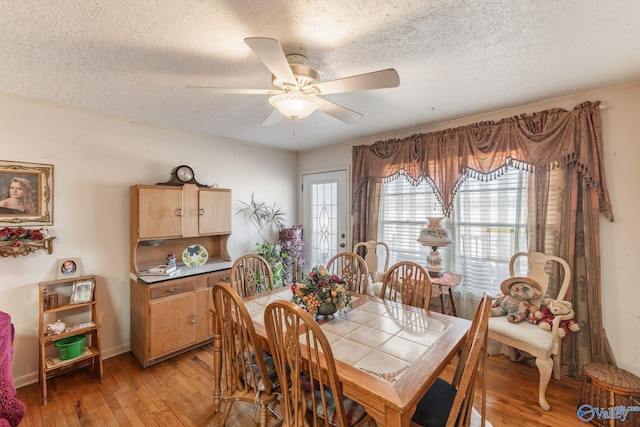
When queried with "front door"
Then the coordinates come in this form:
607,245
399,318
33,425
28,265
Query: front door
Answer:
324,213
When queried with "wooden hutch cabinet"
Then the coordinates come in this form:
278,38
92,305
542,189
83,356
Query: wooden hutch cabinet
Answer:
171,315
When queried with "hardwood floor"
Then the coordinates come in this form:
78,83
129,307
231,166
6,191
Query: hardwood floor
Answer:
178,392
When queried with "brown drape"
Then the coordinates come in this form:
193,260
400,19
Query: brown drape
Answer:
564,221
365,222
541,140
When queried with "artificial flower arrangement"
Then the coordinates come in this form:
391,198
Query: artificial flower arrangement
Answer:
321,293
19,235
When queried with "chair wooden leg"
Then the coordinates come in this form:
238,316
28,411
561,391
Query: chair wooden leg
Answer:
453,303
217,369
545,367
557,369
263,415
225,413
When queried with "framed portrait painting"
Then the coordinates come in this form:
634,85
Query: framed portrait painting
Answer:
26,193
68,268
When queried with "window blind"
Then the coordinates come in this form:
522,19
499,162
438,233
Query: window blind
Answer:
488,224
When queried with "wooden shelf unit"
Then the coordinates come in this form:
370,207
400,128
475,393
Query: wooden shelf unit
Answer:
72,315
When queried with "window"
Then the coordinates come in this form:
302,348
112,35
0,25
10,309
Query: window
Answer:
488,225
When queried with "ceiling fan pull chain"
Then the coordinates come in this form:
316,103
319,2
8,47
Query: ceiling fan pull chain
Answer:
293,121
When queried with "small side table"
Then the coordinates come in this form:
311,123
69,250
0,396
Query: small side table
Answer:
447,281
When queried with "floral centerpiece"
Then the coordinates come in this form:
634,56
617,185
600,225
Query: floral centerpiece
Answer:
321,293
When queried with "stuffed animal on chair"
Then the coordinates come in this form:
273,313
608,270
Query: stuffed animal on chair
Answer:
516,302
551,309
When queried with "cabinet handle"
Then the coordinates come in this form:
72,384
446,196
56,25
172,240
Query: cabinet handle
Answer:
193,319
179,212
175,290
201,211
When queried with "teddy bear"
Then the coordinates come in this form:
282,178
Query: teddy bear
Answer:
551,309
516,301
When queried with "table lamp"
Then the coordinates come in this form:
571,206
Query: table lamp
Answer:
435,236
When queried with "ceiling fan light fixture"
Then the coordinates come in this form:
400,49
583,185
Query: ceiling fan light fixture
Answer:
295,105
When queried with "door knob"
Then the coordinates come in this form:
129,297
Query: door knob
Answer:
342,245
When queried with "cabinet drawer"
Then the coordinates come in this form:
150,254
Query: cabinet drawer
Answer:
172,288
218,276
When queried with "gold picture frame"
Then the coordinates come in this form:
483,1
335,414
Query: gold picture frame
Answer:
82,291
26,193
68,268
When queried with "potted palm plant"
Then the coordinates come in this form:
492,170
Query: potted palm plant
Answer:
268,220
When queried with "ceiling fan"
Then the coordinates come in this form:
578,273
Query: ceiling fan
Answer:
296,86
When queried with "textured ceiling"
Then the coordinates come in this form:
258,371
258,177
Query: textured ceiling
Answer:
133,58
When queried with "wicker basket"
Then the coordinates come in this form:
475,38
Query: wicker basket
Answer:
605,386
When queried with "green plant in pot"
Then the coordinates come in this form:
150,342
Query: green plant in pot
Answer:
276,259
268,220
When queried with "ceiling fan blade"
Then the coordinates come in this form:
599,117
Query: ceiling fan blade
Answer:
271,54
234,91
273,118
339,112
375,80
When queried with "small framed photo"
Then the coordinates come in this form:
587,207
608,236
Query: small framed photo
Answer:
26,193
82,292
68,268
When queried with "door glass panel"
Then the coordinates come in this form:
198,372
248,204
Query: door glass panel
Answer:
323,217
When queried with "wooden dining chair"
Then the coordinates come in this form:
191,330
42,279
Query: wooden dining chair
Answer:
302,354
352,268
407,282
251,274
451,404
248,372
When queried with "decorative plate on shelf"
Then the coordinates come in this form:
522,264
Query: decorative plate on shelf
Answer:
194,256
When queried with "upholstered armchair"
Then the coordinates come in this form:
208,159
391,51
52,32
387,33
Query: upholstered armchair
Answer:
371,251
544,345
12,410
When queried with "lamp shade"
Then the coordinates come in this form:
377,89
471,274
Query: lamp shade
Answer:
434,234
295,105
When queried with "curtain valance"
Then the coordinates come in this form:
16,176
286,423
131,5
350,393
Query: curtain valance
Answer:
547,139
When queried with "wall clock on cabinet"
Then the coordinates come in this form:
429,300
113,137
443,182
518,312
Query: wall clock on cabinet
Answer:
181,175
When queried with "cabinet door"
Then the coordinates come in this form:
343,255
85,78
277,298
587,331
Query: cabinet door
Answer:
215,211
160,212
172,323
205,316
212,279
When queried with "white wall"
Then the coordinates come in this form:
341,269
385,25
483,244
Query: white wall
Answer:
96,159
619,240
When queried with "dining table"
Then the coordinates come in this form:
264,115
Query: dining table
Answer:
387,354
